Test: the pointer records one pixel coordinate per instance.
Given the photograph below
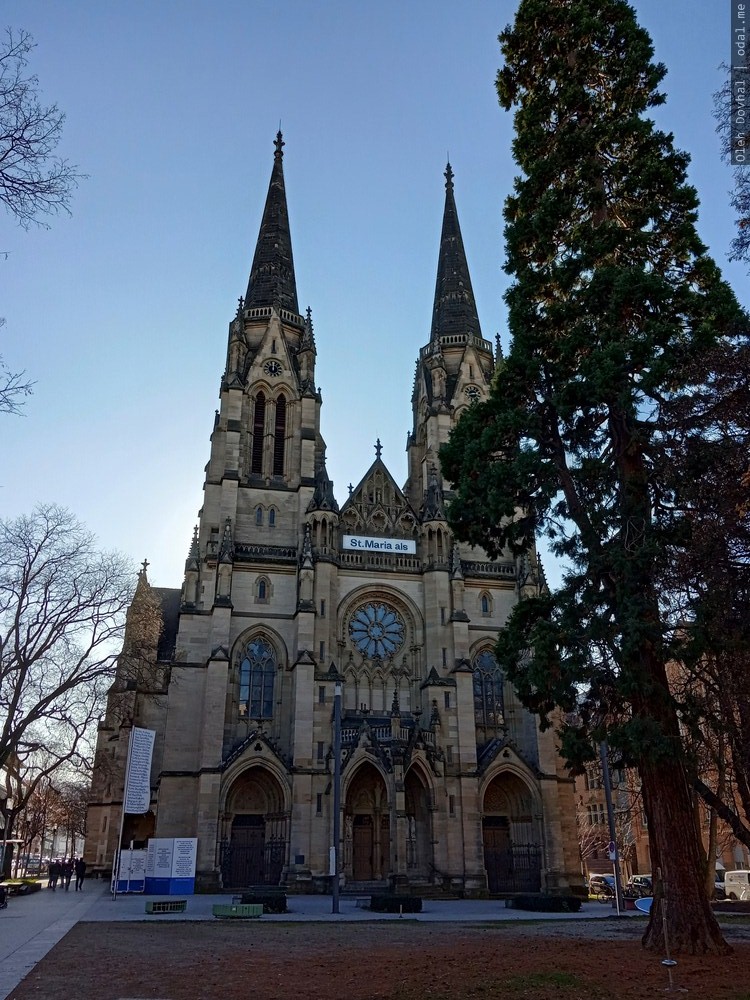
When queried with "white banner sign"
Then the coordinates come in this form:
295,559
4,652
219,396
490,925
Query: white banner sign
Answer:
364,543
138,771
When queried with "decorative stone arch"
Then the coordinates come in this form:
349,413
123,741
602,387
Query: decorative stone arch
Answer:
366,794
355,661
419,797
512,827
256,805
512,721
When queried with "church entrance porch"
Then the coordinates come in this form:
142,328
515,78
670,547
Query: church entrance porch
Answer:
367,837
255,844
512,854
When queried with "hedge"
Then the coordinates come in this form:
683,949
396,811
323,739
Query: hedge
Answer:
546,904
273,902
395,904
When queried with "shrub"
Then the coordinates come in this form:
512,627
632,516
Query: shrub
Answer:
395,904
546,904
273,902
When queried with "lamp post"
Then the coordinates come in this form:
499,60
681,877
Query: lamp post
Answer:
336,796
8,806
619,900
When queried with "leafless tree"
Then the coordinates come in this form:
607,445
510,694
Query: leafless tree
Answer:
34,181
14,387
62,612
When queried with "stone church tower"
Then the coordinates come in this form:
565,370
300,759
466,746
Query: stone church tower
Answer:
445,778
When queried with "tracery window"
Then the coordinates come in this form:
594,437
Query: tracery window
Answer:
488,690
259,420
377,629
279,437
257,675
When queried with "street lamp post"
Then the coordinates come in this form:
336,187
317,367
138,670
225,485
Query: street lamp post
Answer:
603,753
336,796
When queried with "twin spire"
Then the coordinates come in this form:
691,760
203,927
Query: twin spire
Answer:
454,310
272,281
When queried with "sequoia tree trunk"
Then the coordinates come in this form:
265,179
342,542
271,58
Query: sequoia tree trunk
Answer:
681,917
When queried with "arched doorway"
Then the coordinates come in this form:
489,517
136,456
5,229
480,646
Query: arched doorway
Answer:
367,838
512,851
418,838
254,848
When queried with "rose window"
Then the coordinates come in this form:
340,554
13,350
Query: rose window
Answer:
376,630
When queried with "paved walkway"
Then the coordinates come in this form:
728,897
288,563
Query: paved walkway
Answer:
32,925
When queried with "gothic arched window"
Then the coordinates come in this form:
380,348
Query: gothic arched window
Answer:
488,691
259,420
272,518
279,436
259,515
485,603
257,675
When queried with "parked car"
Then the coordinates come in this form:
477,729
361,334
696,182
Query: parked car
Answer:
639,886
737,884
601,885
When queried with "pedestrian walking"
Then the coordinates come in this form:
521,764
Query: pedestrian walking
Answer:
80,868
54,874
67,872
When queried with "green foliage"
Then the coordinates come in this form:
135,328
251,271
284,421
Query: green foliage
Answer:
389,903
613,300
546,904
272,902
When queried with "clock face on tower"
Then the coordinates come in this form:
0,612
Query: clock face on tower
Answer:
272,368
472,393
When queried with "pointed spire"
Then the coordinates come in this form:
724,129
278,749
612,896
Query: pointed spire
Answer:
272,281
322,498
432,508
193,559
456,570
226,551
307,552
454,311
308,337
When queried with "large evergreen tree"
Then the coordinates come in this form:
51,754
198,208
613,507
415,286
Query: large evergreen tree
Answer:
613,298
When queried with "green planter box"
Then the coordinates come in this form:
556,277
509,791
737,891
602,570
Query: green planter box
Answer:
166,906
242,911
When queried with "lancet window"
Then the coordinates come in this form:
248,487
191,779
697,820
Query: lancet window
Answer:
489,710
259,420
257,676
279,437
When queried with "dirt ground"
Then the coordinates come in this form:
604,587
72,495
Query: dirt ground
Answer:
398,960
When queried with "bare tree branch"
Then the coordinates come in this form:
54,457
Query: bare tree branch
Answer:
34,181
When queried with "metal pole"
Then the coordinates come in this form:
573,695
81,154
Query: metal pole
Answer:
336,794
611,821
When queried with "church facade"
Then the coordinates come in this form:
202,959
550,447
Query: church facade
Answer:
289,598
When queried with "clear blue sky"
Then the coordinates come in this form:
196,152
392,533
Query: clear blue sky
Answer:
120,312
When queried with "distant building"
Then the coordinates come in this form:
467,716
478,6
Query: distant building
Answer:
287,592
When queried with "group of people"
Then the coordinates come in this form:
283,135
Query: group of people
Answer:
61,870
